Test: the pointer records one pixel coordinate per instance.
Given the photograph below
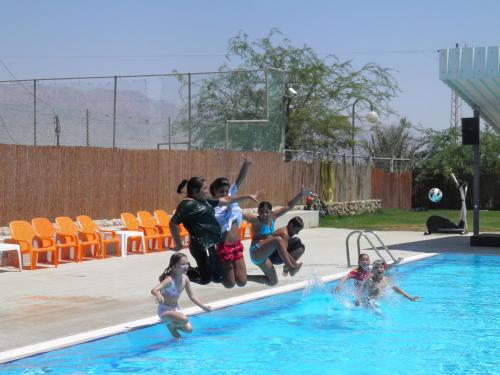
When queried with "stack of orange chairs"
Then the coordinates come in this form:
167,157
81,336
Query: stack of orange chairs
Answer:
85,240
163,220
150,234
106,237
24,235
148,221
64,242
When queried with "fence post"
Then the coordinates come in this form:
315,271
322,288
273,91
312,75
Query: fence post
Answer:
391,165
87,127
189,111
34,112
57,129
343,159
169,134
114,113
227,136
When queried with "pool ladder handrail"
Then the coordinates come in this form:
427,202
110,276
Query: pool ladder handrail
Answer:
365,233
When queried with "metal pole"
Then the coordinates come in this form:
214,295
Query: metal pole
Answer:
169,134
227,136
353,130
57,129
114,113
189,111
87,124
34,112
476,185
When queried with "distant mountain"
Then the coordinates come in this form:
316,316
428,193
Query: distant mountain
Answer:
141,120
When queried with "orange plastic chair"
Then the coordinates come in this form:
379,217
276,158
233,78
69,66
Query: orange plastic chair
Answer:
24,235
85,239
163,220
88,226
148,221
46,231
244,226
130,222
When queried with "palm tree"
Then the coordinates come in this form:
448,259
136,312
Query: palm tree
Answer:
394,141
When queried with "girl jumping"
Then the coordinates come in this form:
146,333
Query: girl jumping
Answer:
172,282
264,243
230,250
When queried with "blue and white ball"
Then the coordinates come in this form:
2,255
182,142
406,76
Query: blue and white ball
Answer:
435,195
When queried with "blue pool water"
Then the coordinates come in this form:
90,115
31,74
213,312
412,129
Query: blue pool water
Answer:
454,329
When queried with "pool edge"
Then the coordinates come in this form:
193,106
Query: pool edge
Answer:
80,338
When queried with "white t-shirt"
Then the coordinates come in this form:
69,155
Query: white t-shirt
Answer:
227,215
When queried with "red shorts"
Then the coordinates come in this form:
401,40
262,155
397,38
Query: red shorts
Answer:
229,252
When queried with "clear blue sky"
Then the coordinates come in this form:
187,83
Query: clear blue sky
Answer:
55,38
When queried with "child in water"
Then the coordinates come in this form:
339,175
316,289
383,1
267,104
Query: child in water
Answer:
361,273
376,285
172,282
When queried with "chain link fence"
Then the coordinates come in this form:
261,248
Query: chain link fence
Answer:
234,110
390,165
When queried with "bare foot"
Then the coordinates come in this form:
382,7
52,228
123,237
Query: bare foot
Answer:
293,271
285,270
173,331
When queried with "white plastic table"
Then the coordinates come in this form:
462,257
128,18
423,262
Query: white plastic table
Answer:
12,247
125,235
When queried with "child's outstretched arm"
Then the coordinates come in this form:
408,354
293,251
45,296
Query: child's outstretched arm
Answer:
192,297
341,283
404,294
243,171
227,200
291,203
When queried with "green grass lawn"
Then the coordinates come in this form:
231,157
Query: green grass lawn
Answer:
395,219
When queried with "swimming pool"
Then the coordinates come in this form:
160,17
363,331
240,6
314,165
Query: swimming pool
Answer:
454,329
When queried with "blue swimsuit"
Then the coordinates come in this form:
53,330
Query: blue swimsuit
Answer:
265,231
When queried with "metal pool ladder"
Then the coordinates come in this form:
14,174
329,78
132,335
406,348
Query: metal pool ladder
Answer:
366,234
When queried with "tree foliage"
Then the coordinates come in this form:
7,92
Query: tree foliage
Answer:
317,117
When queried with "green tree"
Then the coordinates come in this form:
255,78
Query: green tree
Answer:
442,153
326,88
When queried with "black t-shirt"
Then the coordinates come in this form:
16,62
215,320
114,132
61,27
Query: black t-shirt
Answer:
199,219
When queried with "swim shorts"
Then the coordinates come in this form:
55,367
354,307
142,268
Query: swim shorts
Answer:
294,243
229,252
162,309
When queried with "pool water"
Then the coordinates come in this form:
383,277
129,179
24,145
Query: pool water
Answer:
453,329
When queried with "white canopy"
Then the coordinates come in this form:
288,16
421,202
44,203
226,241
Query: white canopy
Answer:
474,74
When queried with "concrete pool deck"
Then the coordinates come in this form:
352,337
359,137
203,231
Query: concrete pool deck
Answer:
47,304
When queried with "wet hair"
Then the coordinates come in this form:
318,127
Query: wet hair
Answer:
265,204
218,183
174,260
378,263
194,185
296,222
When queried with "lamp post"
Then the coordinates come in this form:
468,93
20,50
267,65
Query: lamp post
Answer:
371,116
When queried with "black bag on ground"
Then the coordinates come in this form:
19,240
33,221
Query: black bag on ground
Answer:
439,224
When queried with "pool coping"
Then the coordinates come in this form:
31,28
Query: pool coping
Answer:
80,338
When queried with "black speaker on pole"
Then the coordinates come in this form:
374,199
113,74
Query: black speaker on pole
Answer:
470,130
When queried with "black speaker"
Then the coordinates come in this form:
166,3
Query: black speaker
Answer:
470,130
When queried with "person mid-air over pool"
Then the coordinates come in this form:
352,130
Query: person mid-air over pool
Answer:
197,214
264,243
230,249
